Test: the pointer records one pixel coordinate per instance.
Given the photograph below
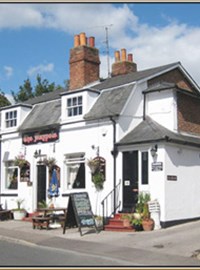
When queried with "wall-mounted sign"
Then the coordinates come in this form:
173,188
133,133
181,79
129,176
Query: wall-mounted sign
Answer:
172,177
44,136
157,166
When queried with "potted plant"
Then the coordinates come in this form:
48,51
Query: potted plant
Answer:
147,221
19,213
20,161
98,180
137,224
93,164
99,221
127,220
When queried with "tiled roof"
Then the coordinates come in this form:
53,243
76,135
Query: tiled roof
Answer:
109,103
132,77
46,97
43,115
149,131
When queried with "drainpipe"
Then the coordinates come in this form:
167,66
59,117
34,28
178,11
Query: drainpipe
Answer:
144,107
114,153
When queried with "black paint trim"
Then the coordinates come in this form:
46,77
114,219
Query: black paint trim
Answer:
171,223
8,195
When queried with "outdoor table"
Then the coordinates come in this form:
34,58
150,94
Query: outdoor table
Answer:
53,217
48,210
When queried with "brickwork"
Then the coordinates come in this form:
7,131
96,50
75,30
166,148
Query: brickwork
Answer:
84,66
174,76
123,67
188,108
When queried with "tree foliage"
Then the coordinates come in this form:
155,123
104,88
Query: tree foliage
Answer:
3,100
26,90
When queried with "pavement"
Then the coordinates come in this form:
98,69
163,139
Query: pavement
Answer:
175,246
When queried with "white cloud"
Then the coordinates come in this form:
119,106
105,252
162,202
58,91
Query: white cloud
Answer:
151,46
8,71
40,69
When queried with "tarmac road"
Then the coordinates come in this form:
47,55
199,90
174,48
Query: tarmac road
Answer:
175,246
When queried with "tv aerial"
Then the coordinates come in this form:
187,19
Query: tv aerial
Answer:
106,28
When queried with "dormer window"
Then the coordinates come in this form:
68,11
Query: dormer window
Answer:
74,106
11,119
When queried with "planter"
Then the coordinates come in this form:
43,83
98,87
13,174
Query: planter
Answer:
148,224
19,215
126,223
138,227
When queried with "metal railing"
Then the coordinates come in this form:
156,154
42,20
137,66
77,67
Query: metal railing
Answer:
108,206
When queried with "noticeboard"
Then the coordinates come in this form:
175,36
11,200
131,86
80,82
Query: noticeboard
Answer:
79,212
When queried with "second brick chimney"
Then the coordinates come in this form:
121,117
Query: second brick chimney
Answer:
84,62
123,64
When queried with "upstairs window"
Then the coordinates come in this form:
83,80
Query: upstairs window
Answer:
11,119
74,106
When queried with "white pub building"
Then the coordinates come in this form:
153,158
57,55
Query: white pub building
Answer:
143,126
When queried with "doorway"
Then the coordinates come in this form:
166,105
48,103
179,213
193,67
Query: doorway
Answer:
41,183
130,180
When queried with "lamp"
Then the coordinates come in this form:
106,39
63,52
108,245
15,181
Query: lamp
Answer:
154,150
37,153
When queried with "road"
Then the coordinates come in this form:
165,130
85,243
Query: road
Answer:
17,254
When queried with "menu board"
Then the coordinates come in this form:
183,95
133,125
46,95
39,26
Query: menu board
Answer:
79,212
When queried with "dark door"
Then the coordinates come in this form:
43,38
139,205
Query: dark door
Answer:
130,180
41,183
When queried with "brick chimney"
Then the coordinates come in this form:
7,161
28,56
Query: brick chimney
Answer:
123,65
84,62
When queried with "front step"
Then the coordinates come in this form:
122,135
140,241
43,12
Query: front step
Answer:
117,224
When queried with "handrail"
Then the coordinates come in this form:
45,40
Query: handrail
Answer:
106,212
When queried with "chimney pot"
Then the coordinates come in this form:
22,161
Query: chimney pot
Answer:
82,39
123,53
130,57
76,40
117,56
92,42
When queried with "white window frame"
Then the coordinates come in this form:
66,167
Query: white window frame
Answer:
9,166
11,119
74,106
73,160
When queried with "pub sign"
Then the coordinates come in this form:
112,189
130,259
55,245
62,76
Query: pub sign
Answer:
44,136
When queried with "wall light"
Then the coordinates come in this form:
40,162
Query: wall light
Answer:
154,150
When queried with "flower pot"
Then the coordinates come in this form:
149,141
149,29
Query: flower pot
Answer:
19,215
148,224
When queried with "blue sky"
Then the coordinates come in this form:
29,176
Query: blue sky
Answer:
36,38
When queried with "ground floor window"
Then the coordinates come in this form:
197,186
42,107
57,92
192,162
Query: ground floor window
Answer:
145,175
75,171
11,175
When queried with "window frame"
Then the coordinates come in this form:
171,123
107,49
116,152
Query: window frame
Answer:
11,118
9,165
74,106
73,160
144,168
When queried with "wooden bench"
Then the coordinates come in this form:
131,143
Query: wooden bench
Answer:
5,215
41,221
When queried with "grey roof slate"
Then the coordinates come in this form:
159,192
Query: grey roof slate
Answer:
132,77
42,116
150,131
109,103
46,97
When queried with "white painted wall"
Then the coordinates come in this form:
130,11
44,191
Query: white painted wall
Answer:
161,107
182,196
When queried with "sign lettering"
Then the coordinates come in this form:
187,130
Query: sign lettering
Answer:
43,136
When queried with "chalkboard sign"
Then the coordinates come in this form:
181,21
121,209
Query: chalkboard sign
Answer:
79,212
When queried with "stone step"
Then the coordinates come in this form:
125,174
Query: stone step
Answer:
116,228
